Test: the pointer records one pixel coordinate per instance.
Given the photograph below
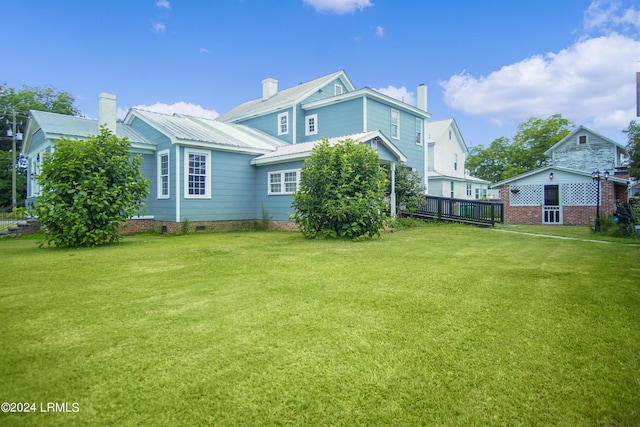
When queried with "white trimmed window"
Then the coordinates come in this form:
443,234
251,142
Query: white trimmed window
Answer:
163,174
582,139
283,123
395,124
468,189
197,174
338,89
311,124
283,182
419,131
455,162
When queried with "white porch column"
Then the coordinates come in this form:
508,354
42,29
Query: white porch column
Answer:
393,190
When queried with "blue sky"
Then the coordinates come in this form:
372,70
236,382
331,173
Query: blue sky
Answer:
489,64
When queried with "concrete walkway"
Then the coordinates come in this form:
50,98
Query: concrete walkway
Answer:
564,238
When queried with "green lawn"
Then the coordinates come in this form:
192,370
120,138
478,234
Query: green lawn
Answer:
437,325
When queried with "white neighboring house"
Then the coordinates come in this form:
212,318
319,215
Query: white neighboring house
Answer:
446,156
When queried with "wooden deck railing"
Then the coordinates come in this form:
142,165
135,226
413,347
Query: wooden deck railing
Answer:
478,212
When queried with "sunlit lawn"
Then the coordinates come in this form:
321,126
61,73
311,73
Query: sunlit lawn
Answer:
439,325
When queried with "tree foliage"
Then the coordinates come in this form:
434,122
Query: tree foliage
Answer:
633,147
506,158
409,190
341,192
21,101
88,189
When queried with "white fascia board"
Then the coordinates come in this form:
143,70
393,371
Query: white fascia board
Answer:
390,146
369,93
287,158
221,147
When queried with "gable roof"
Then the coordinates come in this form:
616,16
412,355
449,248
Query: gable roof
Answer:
435,130
552,168
283,98
291,152
56,126
207,133
584,129
369,93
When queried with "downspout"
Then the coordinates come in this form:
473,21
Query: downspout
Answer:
425,156
393,190
295,124
178,195
364,114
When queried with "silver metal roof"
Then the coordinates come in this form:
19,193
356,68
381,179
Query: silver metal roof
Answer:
182,129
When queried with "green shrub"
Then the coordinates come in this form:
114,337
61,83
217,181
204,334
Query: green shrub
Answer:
89,188
341,192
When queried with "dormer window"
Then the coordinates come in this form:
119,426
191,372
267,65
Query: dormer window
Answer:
582,139
338,89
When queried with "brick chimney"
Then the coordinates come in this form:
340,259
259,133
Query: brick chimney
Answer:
422,97
269,88
107,111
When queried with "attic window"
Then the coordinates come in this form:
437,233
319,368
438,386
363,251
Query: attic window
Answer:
582,139
338,89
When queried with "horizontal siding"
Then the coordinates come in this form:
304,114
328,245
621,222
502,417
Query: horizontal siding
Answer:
269,124
232,190
379,118
334,120
277,207
326,91
161,140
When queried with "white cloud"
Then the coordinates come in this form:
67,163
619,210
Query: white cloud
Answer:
610,15
592,83
399,93
163,4
204,50
338,6
158,27
379,31
185,108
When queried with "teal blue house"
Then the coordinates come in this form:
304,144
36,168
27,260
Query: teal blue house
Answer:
246,163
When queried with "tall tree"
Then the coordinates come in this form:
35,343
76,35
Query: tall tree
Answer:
534,137
633,147
44,98
504,158
490,163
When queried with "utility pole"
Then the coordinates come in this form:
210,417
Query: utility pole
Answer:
13,160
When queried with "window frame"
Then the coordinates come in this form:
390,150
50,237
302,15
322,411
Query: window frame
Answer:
207,175
307,119
580,137
469,189
282,182
284,115
338,89
419,131
396,125
160,175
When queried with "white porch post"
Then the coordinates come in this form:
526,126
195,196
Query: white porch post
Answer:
393,189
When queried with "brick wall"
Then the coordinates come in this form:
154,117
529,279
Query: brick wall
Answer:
150,225
571,215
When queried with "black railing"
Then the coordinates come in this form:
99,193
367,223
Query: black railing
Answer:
478,212
9,218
